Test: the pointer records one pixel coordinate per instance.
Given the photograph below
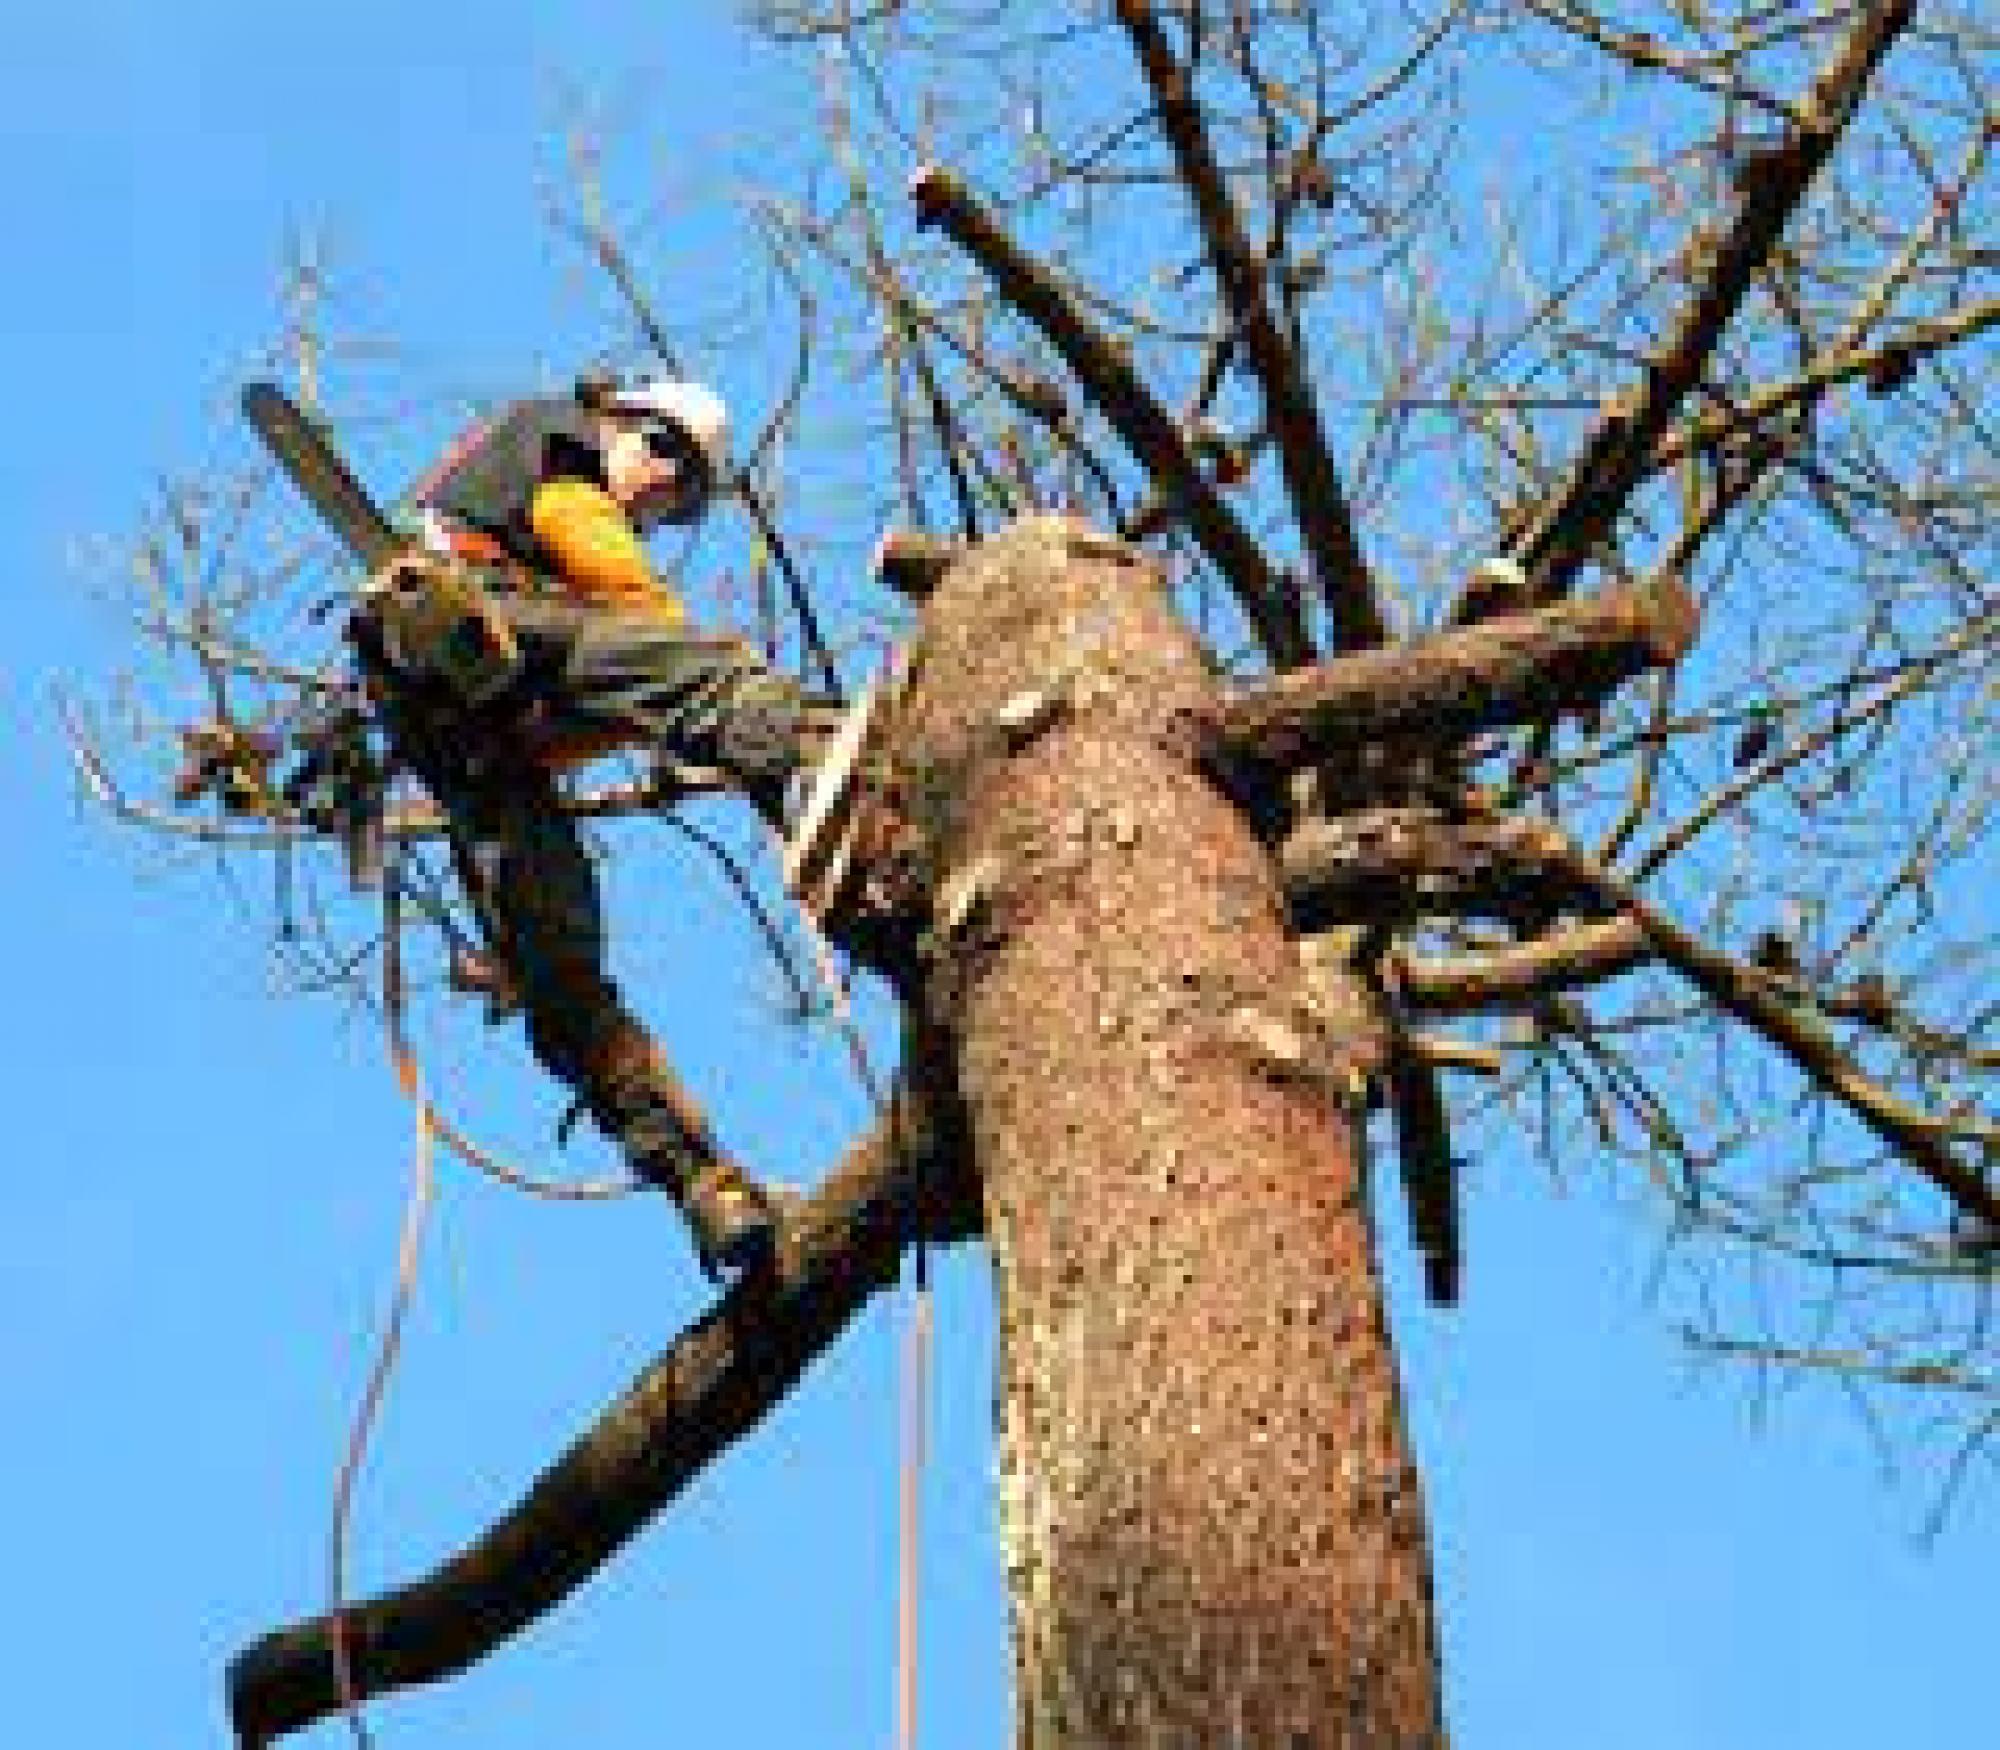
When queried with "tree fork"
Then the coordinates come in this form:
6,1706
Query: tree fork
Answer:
1118,391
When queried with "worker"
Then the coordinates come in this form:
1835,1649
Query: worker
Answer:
549,504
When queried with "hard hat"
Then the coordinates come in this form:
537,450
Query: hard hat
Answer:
695,414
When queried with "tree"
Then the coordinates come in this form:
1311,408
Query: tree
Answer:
1196,846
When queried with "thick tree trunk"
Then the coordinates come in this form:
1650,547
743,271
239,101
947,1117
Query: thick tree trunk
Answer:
1211,1519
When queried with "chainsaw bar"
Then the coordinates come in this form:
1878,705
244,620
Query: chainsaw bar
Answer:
315,468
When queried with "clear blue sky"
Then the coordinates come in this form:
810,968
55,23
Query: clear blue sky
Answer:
203,1186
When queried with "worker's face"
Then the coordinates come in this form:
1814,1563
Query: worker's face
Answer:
643,472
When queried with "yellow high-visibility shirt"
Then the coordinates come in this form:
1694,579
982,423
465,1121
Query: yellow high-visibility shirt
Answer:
597,551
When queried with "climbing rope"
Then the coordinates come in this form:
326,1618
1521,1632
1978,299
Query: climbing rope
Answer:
432,1127
416,1210
916,1372
916,1394
916,1347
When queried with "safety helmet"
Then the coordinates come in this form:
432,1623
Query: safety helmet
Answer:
693,418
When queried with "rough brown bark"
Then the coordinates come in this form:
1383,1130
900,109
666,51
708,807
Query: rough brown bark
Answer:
1389,865
1210,1509
1210,1514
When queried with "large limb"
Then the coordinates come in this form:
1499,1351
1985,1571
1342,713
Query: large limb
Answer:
1508,670
1481,864
710,1388
1117,390
1304,455
1619,451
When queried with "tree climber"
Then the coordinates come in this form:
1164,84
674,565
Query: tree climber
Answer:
547,505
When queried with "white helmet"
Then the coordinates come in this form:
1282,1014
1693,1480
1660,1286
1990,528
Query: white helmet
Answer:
694,414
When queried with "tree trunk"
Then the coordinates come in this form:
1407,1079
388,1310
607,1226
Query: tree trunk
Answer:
1210,1515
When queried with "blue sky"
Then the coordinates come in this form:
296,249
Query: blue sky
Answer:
202,1194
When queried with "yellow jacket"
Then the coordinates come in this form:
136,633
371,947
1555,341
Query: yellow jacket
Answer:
597,553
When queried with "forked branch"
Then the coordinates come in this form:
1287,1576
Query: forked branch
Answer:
1762,1004
1618,453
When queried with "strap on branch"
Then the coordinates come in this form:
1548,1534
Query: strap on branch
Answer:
713,1385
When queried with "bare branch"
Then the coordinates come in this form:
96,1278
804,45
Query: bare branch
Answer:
1516,977
1870,708
1756,1001
1885,361
1115,387
712,1386
1616,455
1318,500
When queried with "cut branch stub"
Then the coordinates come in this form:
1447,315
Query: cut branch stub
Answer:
911,563
1514,669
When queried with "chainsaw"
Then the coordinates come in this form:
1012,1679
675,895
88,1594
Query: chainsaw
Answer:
425,613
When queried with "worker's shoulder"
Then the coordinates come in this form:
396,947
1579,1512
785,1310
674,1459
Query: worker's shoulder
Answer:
546,437
492,470
565,501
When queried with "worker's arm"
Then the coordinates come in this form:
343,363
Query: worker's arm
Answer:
596,549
